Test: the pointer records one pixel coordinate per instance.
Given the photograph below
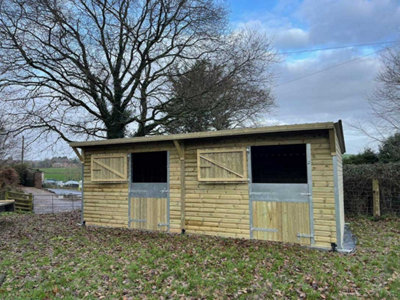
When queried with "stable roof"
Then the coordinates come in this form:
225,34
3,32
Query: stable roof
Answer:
337,127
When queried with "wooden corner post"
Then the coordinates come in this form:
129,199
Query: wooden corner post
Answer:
332,142
376,209
181,152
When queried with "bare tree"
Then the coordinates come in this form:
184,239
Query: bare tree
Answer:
3,146
386,100
7,142
228,90
99,68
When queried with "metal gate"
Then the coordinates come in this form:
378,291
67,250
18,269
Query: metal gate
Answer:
282,212
149,204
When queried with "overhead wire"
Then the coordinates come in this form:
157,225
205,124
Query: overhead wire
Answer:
331,67
338,47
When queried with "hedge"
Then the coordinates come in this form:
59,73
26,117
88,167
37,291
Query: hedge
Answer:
357,181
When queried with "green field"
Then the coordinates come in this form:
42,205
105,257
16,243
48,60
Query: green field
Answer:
62,174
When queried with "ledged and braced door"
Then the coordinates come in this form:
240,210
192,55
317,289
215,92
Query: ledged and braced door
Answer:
149,191
280,193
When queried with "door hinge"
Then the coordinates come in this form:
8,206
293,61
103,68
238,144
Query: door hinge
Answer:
305,194
304,235
264,229
162,224
138,220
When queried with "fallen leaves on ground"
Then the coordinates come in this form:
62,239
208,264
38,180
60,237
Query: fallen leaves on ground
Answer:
50,256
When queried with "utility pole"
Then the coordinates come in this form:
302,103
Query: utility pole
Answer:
22,150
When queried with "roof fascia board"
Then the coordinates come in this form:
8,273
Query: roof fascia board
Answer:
207,134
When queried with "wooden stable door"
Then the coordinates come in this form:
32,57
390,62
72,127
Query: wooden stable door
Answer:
149,191
281,221
149,213
280,194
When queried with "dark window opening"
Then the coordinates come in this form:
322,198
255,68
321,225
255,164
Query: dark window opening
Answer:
149,167
279,164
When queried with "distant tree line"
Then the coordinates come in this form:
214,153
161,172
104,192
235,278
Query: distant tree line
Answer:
388,152
59,161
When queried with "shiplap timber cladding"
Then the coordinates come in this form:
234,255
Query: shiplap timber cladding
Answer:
109,167
222,165
106,203
223,208
218,208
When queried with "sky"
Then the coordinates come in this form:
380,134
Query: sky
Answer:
325,85
328,84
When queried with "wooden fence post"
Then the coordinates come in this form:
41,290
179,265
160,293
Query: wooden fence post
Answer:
375,198
31,201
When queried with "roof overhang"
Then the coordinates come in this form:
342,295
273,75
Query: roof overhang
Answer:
337,127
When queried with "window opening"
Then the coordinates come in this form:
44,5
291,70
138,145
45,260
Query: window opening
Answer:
149,166
279,164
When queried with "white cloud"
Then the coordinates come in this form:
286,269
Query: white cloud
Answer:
304,93
338,93
290,38
354,21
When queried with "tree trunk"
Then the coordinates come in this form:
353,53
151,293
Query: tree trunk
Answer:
115,130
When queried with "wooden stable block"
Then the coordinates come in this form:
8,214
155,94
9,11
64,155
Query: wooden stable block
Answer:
209,189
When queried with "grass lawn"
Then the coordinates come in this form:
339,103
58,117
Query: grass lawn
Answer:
49,256
62,174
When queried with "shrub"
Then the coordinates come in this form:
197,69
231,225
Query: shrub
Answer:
23,171
8,178
366,157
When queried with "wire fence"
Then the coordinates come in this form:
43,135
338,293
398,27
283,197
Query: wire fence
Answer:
45,204
358,192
